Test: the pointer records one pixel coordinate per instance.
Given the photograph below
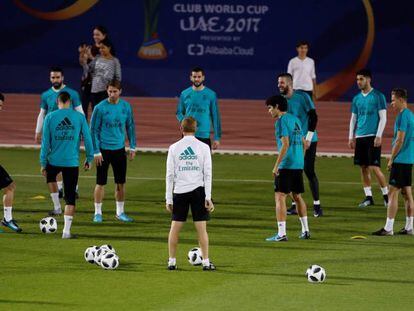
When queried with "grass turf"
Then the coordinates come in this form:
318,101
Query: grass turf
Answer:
45,272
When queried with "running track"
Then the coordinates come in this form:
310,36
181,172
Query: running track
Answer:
246,124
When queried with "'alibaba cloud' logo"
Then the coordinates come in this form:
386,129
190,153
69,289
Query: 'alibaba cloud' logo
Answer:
75,9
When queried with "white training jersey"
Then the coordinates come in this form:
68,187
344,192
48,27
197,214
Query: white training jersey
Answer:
188,167
302,71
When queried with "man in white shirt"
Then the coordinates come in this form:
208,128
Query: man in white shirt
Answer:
302,69
188,183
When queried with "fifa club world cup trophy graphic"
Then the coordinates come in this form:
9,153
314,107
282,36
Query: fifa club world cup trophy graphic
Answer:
152,47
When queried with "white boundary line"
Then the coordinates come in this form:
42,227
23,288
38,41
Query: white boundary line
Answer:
223,151
264,181
220,151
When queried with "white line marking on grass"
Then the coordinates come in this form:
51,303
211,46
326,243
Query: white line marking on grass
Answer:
215,179
220,151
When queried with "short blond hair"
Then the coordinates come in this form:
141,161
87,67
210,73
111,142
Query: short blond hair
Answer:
189,125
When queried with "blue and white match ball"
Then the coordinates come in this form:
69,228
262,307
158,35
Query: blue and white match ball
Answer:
316,274
194,256
90,253
48,225
103,249
98,255
108,247
109,261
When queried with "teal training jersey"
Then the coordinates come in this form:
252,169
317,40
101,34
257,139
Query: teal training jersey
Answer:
109,123
405,123
48,100
299,105
62,131
289,125
202,106
366,108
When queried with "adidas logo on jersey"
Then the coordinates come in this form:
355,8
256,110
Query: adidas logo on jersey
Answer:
297,129
188,154
65,125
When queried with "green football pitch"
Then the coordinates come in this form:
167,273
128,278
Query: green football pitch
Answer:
44,272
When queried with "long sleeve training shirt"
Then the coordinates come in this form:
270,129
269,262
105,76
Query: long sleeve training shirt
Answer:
61,138
188,167
202,106
109,124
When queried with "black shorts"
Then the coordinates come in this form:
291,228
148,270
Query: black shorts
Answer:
400,175
194,199
70,180
365,152
289,181
205,140
118,160
5,179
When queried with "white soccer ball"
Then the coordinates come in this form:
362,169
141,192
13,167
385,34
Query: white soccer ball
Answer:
90,253
109,261
194,256
101,251
316,274
108,247
48,225
98,255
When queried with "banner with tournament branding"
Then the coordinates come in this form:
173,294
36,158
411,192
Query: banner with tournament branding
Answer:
241,44
220,29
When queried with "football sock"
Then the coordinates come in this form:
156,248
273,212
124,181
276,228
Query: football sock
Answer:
389,225
8,213
68,224
409,223
60,185
119,208
317,202
281,225
172,261
384,190
304,223
368,191
205,262
55,200
98,208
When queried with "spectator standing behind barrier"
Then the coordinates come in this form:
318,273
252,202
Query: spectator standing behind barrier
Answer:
302,69
86,54
104,68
